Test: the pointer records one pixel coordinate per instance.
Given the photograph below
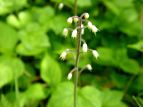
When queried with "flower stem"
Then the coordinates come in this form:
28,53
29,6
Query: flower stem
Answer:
76,62
75,7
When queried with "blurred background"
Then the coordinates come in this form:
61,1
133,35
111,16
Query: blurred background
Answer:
31,41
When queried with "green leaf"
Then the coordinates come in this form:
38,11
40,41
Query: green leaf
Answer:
138,46
59,21
8,6
11,68
112,98
86,3
118,58
87,96
50,71
33,41
130,66
91,96
107,56
8,38
116,6
35,92
4,102
80,3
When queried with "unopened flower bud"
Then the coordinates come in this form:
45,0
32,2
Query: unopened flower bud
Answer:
70,20
61,5
84,47
94,29
65,32
86,15
89,67
95,54
69,76
89,25
75,19
63,55
74,33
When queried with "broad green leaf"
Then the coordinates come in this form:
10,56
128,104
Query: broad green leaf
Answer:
118,58
50,71
138,46
112,98
131,28
91,96
87,96
43,14
33,41
107,56
11,68
8,38
4,102
130,66
138,82
59,21
116,6
80,3
8,6
86,3
110,5
35,92
13,21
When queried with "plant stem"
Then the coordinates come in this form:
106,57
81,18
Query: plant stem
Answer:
76,62
17,92
77,55
75,7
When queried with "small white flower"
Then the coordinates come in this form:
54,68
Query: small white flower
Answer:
95,54
69,76
74,33
63,55
65,32
89,25
86,15
75,19
61,5
70,20
94,29
89,67
84,47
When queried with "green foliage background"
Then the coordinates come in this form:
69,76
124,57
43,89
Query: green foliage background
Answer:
31,40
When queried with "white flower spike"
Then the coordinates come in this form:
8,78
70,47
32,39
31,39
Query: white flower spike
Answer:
65,32
94,29
70,20
61,5
74,33
86,15
89,67
63,55
95,54
69,76
84,47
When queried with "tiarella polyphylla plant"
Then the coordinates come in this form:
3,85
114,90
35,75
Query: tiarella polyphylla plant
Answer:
80,22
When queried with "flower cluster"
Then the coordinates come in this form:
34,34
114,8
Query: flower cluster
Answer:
81,23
